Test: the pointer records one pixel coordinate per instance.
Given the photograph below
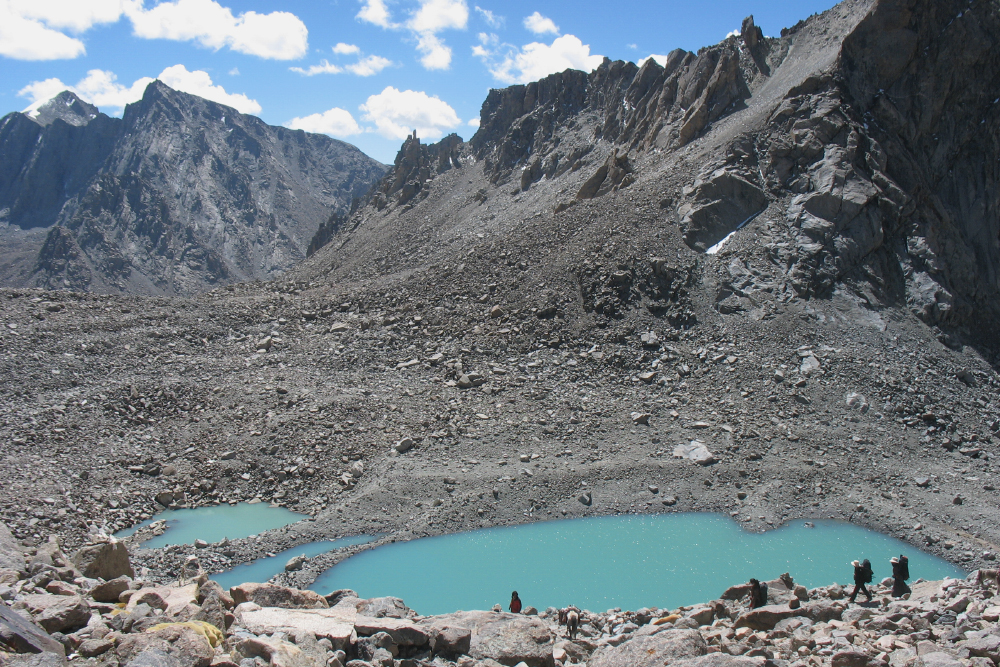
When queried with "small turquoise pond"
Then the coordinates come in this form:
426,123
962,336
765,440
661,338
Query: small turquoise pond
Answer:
630,562
263,569
212,524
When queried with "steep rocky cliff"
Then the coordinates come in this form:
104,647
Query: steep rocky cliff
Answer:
178,195
862,145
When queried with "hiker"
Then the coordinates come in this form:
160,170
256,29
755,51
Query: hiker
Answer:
900,573
515,603
862,575
758,594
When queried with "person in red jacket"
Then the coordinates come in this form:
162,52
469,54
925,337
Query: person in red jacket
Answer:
515,603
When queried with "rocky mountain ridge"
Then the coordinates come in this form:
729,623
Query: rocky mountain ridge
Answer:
179,195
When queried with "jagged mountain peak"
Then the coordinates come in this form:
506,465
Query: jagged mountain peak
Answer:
66,106
179,195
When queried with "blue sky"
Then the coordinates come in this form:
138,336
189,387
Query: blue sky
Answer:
365,71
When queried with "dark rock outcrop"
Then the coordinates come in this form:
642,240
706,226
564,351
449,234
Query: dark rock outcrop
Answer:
179,195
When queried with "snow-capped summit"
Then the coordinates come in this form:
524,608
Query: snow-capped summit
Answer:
66,106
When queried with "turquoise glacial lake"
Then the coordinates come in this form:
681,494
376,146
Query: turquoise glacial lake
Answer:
631,562
213,524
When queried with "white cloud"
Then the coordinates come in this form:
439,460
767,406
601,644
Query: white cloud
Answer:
376,13
473,122
29,39
540,25
324,67
342,49
234,71
278,35
429,19
436,54
369,66
531,62
199,83
335,122
101,88
34,29
732,33
73,15
437,15
492,20
397,113
659,59
433,17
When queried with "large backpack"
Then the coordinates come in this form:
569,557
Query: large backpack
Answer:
904,565
867,567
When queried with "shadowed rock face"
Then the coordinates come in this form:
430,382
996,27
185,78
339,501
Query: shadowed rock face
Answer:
179,195
870,152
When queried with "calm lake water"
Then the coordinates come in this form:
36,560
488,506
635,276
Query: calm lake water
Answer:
262,569
630,562
212,524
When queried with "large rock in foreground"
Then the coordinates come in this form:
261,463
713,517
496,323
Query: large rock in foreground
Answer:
507,638
271,595
104,560
11,554
662,648
336,624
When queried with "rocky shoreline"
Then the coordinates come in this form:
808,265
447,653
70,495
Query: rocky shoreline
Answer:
91,609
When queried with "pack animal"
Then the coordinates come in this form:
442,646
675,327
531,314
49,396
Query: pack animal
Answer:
984,576
570,617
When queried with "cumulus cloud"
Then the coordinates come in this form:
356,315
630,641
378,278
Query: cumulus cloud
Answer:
200,83
368,66
35,29
430,18
101,87
278,35
492,20
73,15
342,49
436,54
540,25
509,64
433,16
324,67
336,122
396,113
376,13
659,59
28,39
473,122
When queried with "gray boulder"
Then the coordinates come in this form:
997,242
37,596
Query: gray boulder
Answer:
506,638
104,560
385,607
666,647
189,647
271,595
154,658
11,554
58,613
694,451
109,591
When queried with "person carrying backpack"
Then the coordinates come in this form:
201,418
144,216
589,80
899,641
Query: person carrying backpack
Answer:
862,575
758,594
900,573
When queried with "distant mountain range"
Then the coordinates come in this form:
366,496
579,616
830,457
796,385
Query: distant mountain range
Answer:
179,195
